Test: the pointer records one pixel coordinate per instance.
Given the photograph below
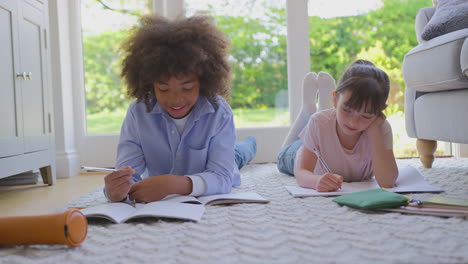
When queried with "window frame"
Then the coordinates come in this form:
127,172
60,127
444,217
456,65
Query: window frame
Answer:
100,150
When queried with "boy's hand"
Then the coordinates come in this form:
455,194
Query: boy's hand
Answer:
329,182
118,183
157,187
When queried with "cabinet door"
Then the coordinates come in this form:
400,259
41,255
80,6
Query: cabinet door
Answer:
11,130
34,92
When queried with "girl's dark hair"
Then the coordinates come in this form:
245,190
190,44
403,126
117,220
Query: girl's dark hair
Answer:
160,48
367,84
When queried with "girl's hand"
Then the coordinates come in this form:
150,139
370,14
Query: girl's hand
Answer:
329,182
118,183
376,125
157,187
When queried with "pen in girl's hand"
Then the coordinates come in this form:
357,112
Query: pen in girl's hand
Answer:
98,169
322,161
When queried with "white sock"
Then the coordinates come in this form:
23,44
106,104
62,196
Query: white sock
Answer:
309,93
309,106
326,86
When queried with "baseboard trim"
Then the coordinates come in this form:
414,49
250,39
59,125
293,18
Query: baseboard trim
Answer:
68,164
460,150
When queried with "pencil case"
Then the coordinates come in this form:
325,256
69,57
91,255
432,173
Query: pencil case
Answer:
67,228
372,199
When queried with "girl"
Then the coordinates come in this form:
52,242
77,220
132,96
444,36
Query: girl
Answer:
180,128
353,139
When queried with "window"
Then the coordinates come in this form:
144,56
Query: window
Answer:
270,42
257,32
105,24
256,29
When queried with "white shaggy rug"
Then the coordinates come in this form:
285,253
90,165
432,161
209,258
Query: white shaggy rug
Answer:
287,230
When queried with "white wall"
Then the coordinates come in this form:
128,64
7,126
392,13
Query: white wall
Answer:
67,155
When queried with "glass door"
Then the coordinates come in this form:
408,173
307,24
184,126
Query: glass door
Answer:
257,32
258,56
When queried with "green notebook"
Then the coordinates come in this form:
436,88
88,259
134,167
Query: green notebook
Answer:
372,199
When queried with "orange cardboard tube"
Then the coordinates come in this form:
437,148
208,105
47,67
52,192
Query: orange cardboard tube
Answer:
67,228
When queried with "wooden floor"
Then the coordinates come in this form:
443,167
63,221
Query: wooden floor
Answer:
43,199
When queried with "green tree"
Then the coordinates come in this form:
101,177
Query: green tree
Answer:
258,58
383,36
258,53
104,91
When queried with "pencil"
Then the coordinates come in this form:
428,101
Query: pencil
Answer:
97,169
322,161
319,157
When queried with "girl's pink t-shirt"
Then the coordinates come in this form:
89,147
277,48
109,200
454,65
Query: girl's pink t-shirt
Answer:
354,164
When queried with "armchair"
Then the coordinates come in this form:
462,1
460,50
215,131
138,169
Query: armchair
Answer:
436,97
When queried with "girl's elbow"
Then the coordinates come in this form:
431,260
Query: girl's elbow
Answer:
301,183
304,183
387,185
389,182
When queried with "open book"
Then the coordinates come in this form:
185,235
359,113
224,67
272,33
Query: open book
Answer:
173,206
122,212
216,199
409,181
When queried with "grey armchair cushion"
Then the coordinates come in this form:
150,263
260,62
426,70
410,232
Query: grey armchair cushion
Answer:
449,16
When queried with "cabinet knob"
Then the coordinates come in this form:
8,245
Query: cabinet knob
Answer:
21,75
24,75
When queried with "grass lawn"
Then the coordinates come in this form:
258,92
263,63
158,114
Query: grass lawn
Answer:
105,122
404,146
110,123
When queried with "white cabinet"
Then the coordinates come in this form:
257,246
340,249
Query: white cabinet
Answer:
26,136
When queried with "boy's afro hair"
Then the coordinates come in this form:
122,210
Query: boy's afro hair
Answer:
160,48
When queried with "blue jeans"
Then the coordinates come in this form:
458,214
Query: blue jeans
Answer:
245,151
286,157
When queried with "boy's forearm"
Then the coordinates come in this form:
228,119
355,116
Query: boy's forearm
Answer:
181,185
112,197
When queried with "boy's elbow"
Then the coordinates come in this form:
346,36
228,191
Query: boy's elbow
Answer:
227,189
221,186
221,189
225,183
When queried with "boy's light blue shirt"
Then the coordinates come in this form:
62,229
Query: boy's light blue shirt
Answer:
150,141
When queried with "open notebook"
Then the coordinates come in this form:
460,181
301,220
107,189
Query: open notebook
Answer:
122,212
174,206
230,198
409,181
